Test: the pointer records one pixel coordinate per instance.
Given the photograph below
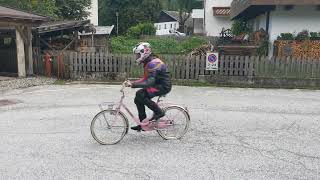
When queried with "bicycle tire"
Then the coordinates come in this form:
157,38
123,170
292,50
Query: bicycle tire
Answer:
123,129
185,117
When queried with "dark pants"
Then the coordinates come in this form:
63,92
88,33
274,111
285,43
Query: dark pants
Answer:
143,98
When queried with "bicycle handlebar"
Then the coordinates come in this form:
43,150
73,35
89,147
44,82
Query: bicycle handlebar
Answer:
123,86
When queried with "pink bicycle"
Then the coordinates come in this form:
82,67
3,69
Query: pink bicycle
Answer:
111,125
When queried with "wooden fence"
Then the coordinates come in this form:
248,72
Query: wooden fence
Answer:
60,63
185,67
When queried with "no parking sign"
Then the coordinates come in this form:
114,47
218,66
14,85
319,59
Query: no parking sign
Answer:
212,61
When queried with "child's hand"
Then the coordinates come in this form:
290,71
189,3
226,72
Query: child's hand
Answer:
128,84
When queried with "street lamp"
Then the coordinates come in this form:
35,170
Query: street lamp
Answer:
117,14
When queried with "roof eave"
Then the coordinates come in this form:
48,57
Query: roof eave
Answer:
238,7
38,18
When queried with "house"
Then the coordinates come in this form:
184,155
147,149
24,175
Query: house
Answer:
59,35
94,12
97,41
217,16
16,40
169,20
198,21
280,16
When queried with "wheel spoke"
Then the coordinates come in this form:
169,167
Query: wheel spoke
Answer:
111,127
180,124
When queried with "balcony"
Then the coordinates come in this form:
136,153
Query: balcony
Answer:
248,9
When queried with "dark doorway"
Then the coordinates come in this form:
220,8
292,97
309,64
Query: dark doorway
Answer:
8,52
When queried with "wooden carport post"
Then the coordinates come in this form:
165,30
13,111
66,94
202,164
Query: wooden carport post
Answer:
28,48
20,52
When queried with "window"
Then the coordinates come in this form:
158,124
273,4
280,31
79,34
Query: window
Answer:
165,26
170,26
175,26
7,41
159,26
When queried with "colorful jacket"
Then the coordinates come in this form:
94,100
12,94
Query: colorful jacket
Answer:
155,74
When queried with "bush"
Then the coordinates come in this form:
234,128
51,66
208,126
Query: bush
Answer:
263,48
141,29
286,36
159,45
147,29
239,26
303,35
314,35
134,32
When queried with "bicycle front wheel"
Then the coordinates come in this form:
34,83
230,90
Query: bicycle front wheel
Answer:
177,120
109,127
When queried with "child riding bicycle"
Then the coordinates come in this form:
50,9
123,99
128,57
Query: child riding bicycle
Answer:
155,82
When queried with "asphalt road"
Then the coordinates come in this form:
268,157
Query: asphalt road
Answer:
234,134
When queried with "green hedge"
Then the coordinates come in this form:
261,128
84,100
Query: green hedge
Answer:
141,29
159,45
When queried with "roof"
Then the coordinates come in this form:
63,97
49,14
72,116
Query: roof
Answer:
175,15
242,8
100,30
165,17
62,25
12,13
221,11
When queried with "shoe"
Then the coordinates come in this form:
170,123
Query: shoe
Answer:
157,116
137,128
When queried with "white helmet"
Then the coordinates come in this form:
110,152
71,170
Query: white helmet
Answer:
143,51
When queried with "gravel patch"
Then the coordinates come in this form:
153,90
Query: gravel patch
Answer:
25,82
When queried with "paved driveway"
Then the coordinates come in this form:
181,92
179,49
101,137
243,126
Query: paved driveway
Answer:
235,134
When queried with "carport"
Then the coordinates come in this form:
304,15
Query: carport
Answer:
16,41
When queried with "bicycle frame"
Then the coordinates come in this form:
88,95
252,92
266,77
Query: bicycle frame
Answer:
145,124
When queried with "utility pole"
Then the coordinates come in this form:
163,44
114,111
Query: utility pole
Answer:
117,14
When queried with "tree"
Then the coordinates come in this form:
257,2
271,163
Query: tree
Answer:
185,9
130,12
57,9
73,9
44,7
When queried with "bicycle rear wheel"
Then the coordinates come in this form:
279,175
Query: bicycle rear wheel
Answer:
108,127
178,121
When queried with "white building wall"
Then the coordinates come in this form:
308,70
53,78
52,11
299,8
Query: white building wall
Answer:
293,21
213,24
94,16
163,28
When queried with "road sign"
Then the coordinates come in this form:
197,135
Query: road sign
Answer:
212,61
